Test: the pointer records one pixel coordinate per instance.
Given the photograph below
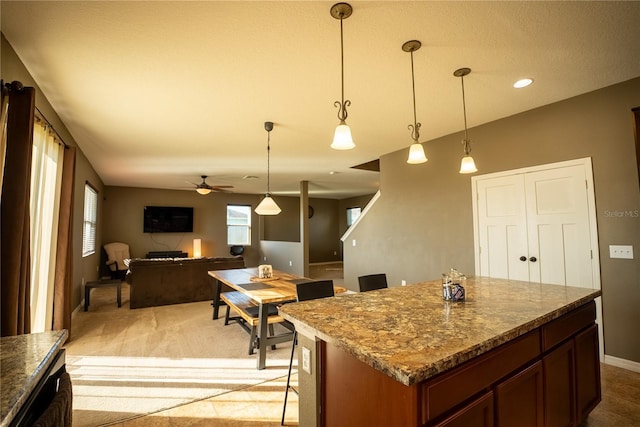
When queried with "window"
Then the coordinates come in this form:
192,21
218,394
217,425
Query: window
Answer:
352,215
90,220
238,225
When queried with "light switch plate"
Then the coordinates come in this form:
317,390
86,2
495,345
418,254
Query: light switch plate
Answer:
306,360
621,251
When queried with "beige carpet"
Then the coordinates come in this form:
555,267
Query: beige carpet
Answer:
126,363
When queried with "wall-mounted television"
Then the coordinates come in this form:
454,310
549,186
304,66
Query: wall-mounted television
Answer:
168,219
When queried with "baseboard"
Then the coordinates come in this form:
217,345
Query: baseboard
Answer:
622,363
77,309
325,263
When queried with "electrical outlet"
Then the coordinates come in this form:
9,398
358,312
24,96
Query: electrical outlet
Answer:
290,263
621,251
403,283
306,360
353,242
265,258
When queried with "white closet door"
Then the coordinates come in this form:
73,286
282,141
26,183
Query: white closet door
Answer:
558,227
502,230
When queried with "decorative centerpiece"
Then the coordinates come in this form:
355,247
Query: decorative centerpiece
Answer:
452,285
265,271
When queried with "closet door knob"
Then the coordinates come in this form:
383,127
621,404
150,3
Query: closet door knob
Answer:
533,259
523,258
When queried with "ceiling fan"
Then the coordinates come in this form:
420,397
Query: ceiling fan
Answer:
204,188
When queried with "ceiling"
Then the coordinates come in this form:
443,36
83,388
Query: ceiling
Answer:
158,93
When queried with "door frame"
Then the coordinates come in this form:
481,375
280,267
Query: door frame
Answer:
593,223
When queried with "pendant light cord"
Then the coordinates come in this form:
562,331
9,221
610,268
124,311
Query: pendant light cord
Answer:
415,128
464,109
268,164
342,106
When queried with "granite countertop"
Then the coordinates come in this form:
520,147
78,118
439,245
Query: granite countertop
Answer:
24,359
410,333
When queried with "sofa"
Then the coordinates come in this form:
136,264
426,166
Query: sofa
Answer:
167,281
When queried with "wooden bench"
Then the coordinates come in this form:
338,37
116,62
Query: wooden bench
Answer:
247,317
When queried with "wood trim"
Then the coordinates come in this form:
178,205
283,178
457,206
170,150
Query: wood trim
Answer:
636,136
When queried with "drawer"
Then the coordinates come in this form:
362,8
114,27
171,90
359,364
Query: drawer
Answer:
568,325
444,392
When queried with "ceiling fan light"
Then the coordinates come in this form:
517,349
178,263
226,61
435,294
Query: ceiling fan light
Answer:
416,154
203,191
268,206
342,139
467,165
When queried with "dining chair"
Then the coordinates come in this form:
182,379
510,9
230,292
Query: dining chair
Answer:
372,282
304,292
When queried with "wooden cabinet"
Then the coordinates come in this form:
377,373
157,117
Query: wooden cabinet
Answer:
478,413
519,399
571,369
588,392
559,386
548,377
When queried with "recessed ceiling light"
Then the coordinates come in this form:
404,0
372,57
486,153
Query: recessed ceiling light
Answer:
249,177
522,83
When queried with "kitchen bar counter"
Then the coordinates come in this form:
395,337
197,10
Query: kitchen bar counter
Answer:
24,361
411,335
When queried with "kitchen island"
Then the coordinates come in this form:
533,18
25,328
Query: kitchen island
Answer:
513,353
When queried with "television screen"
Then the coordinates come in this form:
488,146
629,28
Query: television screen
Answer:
168,219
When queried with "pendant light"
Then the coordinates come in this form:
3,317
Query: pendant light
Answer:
416,151
342,139
268,206
467,165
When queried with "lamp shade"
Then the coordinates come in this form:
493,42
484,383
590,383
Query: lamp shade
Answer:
268,207
467,165
342,139
197,248
203,191
416,154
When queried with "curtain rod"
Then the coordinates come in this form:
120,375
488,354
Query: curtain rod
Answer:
43,117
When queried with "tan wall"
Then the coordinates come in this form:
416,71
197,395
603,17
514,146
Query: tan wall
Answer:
324,230
422,223
87,268
123,209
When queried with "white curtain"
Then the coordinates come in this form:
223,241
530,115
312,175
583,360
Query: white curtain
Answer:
46,177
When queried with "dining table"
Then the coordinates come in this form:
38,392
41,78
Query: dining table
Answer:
278,289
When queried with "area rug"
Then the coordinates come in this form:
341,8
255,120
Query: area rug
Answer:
128,363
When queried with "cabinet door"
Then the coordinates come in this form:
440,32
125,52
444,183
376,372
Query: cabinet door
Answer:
478,413
519,400
588,390
559,388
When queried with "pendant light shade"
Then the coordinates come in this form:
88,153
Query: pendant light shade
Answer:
416,151
467,165
416,154
203,191
268,206
342,139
